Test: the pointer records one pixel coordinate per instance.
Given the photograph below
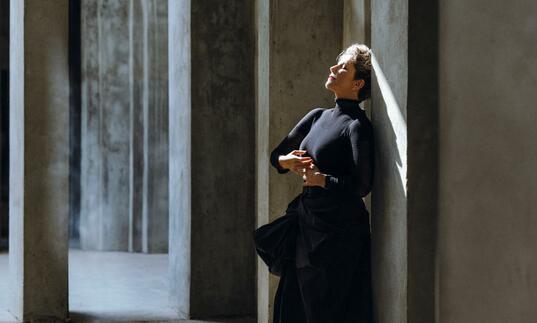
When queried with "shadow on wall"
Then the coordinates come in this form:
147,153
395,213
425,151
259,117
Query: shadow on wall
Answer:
389,195
4,123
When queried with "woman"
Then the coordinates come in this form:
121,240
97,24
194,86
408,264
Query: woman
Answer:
332,149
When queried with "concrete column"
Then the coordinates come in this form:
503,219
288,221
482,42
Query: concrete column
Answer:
356,22
104,217
389,42
124,202
212,157
301,42
39,160
404,197
155,112
488,152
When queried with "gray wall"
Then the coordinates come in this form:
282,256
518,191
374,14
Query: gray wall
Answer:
404,198
39,160
488,154
389,42
124,134
212,158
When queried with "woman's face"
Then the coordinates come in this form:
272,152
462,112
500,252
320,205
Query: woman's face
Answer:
341,80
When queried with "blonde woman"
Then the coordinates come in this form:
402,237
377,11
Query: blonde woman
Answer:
331,149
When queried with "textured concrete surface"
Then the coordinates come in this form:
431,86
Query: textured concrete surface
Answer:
180,134
389,195
124,153
217,174
223,158
301,42
39,159
488,153
356,22
114,286
119,285
105,133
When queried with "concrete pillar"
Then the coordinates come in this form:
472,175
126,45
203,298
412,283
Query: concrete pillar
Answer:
404,197
389,42
155,142
212,157
301,42
488,152
124,171
39,160
356,22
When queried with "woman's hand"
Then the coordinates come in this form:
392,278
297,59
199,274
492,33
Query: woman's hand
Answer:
313,177
295,162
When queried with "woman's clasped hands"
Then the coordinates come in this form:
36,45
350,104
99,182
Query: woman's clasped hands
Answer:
304,167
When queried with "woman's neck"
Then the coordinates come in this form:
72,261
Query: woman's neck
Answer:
345,97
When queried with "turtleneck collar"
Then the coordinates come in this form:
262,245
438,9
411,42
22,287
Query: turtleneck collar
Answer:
349,104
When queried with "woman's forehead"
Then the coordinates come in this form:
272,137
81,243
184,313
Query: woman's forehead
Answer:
345,58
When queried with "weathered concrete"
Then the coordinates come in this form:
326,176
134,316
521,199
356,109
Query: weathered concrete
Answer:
356,22
488,182
155,82
39,159
124,195
104,217
301,42
422,196
212,157
404,197
389,43
180,133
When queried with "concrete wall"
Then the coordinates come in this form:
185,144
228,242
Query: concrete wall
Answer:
488,182
180,134
356,22
212,158
389,41
124,137
404,197
297,43
39,160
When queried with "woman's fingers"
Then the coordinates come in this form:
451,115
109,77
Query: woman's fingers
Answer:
298,152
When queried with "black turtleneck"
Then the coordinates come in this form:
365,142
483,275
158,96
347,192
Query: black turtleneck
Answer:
340,142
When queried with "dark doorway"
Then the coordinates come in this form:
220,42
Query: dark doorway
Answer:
4,124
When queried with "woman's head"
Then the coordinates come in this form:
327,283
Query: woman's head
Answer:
351,76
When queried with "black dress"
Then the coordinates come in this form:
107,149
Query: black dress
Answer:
329,279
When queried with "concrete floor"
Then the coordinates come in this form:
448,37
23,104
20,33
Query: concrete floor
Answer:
113,286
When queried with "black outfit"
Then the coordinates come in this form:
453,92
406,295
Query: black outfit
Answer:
329,279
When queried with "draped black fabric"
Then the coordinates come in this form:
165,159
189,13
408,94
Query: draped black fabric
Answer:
320,247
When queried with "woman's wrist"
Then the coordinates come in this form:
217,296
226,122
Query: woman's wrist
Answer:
280,161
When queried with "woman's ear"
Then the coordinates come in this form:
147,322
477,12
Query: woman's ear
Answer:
359,84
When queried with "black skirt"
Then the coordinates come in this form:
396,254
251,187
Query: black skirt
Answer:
320,249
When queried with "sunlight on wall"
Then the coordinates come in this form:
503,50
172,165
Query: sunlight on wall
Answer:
396,117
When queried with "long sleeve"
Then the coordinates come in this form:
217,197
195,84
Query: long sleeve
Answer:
360,180
294,138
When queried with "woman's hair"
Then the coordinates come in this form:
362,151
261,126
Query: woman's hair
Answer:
360,55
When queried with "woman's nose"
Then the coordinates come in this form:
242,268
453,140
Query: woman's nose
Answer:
333,69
